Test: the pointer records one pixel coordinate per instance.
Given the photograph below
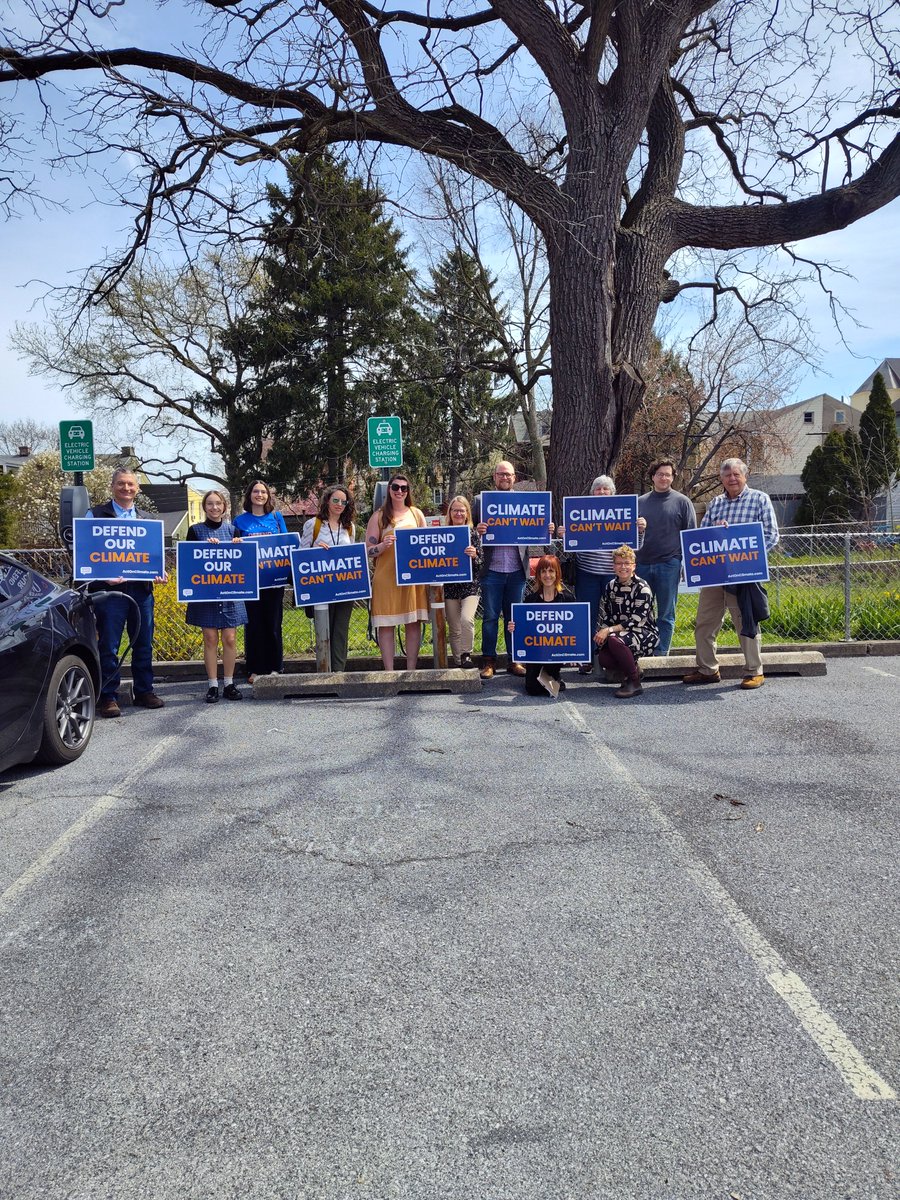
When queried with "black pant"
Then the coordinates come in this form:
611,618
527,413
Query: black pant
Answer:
263,644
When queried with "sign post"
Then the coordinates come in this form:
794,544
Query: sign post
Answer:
385,442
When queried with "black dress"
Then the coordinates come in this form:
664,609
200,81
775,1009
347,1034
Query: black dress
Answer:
533,685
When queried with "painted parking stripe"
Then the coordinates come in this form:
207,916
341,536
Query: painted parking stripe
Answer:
829,1038
65,841
878,671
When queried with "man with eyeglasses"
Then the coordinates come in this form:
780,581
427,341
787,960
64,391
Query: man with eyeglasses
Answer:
503,576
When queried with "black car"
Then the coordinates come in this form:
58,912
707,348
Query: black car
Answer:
49,668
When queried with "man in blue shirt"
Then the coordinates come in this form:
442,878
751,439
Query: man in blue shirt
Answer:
737,505
126,604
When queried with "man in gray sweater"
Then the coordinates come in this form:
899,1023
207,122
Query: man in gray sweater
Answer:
659,559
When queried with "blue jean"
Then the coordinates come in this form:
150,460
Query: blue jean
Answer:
499,592
589,589
663,579
115,613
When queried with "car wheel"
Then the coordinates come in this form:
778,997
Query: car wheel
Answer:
69,711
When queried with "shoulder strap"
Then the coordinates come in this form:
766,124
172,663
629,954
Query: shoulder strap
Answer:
316,527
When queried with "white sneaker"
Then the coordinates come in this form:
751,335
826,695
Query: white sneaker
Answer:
552,685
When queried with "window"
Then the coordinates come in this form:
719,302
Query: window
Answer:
840,418
808,418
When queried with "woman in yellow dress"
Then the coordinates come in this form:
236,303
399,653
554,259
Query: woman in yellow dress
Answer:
393,605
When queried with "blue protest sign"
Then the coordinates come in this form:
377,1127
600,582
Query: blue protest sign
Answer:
600,522
724,554
217,571
433,555
110,548
553,632
275,558
516,518
329,576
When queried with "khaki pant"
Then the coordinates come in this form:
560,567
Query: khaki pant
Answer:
710,615
461,622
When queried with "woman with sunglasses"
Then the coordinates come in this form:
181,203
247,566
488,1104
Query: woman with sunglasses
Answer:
461,599
542,679
393,605
333,526
263,641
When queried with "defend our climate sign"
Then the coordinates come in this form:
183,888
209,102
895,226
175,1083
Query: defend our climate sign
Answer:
516,518
600,522
433,555
551,633
275,558
724,554
107,548
330,576
217,571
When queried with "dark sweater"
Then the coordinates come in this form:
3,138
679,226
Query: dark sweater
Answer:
666,514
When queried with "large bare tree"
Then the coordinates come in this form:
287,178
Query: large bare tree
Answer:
681,124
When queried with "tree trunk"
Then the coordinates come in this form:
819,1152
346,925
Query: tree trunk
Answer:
538,460
604,295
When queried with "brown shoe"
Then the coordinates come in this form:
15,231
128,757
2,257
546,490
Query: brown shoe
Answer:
699,677
147,700
515,669
631,687
107,706
487,668
752,681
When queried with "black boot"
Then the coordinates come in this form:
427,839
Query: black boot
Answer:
631,687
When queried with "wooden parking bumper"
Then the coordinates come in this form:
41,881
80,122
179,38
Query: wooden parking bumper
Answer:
355,685
731,665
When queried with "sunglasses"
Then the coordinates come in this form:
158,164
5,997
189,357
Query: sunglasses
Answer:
399,487
334,500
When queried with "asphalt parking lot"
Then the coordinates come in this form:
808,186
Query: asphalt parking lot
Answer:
460,946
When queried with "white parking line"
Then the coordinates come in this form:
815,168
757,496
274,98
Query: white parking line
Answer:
877,671
42,865
830,1039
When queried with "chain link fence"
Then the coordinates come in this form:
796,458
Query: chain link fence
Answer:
824,587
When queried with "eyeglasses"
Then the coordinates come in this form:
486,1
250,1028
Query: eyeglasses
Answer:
458,512
504,474
334,500
399,487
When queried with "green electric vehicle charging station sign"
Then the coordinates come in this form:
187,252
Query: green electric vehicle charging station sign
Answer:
76,445
385,442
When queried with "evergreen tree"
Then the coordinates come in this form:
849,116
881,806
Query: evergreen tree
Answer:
878,438
471,418
832,477
334,330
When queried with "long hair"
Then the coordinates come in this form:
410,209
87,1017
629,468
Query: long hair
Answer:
547,560
269,505
387,512
461,502
347,513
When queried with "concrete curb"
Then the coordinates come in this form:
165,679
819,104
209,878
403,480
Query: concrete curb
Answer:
355,685
803,662
194,669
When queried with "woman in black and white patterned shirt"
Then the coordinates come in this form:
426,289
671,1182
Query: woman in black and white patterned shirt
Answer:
626,628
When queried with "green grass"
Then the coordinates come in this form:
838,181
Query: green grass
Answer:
800,613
